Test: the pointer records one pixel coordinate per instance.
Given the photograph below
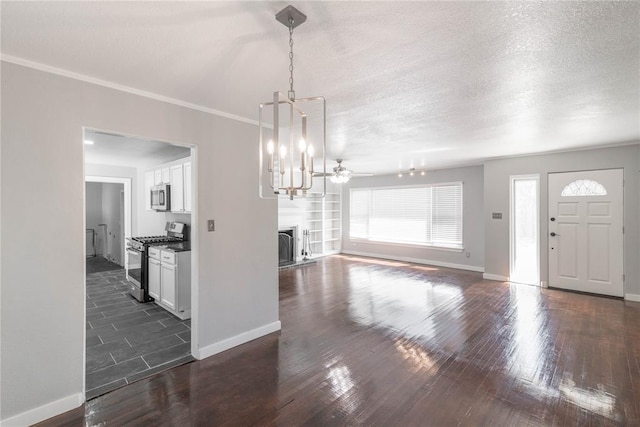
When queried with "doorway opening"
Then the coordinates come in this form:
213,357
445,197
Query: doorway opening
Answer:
107,218
524,230
127,339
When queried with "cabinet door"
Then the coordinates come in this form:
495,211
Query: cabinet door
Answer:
157,177
154,279
148,183
177,190
168,285
166,176
187,187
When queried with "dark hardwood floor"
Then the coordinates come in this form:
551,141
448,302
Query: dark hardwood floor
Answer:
374,342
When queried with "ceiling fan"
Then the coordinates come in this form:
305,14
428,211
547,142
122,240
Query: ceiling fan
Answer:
340,174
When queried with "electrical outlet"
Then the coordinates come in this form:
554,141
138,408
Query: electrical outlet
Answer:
211,225
468,254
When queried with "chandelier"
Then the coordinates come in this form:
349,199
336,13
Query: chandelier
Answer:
292,135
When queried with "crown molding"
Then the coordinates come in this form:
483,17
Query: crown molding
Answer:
104,83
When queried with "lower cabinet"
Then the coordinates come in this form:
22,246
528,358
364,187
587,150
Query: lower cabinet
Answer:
154,278
168,284
169,276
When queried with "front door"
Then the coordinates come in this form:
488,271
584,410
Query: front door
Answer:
585,231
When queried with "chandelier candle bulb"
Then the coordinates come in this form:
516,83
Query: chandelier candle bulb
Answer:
270,151
310,153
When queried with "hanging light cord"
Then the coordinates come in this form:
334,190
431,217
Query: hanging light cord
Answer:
292,93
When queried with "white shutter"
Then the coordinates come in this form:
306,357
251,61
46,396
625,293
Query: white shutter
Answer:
447,215
399,215
359,213
422,215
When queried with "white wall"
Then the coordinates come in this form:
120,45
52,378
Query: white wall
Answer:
42,165
111,171
93,203
93,209
496,199
111,205
473,231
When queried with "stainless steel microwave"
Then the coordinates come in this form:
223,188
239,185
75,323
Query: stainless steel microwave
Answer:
161,197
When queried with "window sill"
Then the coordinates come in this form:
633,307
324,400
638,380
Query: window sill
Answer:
457,249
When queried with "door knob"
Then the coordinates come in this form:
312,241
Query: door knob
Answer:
554,234
553,219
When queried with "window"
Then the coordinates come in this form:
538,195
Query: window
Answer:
424,215
583,187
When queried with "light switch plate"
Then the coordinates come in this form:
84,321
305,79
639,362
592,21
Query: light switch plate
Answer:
211,225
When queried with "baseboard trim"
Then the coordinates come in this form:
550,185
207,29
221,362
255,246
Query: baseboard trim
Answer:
44,412
632,297
237,340
495,277
417,261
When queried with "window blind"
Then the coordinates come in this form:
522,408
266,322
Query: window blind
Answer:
423,215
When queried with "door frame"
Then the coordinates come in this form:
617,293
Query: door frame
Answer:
195,344
512,179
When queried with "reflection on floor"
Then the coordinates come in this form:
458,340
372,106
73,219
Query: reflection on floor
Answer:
370,342
127,340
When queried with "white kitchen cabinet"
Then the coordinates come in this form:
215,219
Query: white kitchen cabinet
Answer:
153,278
149,181
175,282
168,286
178,175
166,175
177,189
187,186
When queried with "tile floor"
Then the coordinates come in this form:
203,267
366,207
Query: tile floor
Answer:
127,340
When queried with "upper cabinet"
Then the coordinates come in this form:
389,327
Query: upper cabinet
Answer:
178,175
177,189
187,186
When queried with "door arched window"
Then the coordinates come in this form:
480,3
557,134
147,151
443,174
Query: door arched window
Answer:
583,187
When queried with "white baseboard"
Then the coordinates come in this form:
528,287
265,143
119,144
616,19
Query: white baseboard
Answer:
416,261
495,277
632,297
235,341
44,412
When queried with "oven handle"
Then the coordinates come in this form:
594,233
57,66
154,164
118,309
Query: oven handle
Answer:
134,251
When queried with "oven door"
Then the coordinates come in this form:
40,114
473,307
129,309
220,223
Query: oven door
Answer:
134,269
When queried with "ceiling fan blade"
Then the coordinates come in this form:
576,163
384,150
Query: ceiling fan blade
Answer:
361,174
323,174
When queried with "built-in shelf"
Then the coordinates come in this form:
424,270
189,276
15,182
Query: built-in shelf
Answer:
323,216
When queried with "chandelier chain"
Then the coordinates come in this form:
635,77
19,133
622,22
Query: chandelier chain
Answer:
291,56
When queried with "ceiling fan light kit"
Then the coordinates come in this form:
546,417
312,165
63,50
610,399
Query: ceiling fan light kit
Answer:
296,136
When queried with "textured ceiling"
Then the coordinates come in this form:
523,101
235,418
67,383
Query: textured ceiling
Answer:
408,84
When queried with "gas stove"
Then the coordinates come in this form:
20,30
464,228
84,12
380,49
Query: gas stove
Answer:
141,242
137,258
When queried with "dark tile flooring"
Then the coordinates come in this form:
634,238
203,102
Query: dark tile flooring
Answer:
127,340
99,263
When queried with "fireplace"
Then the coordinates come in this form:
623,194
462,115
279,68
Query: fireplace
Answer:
287,246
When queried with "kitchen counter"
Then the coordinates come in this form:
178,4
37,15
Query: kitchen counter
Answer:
176,247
